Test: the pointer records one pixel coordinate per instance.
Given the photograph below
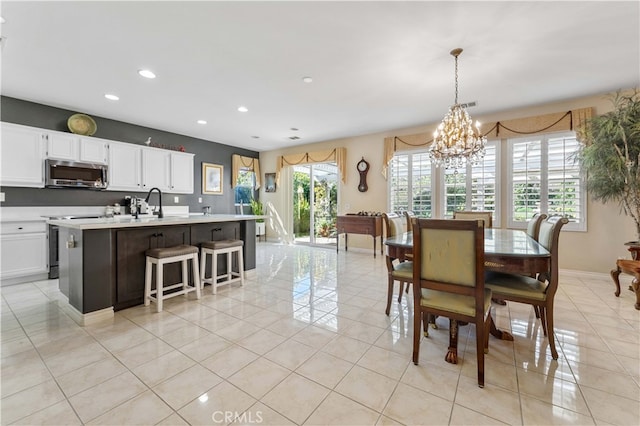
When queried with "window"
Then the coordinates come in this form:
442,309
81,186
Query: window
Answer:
414,183
410,184
244,187
545,177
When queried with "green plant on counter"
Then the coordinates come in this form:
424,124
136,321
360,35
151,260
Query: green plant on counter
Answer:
257,209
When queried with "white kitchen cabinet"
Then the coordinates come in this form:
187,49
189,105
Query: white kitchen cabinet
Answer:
156,169
22,156
24,249
125,164
94,150
62,146
181,173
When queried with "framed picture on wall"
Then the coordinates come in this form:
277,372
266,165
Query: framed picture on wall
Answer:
269,182
211,179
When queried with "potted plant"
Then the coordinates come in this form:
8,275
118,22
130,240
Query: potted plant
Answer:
258,210
611,155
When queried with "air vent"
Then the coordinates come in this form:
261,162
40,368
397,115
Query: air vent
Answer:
469,104
294,138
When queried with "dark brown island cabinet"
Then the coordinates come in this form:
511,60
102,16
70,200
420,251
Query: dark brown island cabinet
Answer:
102,262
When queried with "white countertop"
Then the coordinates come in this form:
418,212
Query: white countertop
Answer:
130,222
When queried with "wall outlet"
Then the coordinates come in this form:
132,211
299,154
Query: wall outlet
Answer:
347,207
1,197
200,200
176,200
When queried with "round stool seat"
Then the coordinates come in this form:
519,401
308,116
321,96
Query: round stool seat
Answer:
223,244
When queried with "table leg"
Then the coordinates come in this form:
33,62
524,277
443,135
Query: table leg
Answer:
374,246
615,275
346,236
500,334
452,352
635,286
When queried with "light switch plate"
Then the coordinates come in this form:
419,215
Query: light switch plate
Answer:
200,199
176,200
1,197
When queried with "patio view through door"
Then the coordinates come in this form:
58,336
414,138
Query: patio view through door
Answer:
315,203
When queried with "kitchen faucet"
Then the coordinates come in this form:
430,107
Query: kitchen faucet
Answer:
159,213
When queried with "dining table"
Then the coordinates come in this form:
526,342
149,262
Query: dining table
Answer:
505,250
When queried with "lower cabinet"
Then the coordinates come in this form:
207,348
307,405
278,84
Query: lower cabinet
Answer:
131,247
215,232
24,249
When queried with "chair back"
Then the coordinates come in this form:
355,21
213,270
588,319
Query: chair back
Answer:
394,224
410,215
549,238
449,256
487,217
533,226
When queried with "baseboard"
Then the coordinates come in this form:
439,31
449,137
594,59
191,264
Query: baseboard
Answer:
85,319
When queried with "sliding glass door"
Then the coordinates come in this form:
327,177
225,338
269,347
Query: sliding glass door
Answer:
315,203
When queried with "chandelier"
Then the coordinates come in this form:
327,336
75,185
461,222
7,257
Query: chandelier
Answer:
457,141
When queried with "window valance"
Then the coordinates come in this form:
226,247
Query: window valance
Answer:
339,155
547,123
238,162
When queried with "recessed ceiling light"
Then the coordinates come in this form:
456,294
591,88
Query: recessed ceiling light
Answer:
146,73
243,109
202,121
307,79
111,97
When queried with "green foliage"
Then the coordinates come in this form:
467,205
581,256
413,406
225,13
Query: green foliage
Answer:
611,155
257,209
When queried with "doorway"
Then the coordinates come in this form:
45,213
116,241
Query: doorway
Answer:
315,203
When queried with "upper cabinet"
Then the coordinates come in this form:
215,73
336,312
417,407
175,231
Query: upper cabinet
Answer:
181,173
169,171
156,164
94,150
125,172
62,146
22,150
67,146
131,167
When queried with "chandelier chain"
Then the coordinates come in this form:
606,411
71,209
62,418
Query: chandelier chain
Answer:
456,74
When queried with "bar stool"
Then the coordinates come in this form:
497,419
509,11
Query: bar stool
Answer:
161,257
214,248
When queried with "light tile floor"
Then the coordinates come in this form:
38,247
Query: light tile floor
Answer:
306,341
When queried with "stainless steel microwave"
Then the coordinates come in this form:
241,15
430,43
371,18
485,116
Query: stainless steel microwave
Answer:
73,174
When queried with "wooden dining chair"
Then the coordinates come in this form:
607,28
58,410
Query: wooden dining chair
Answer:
533,226
397,269
487,217
410,215
538,292
448,279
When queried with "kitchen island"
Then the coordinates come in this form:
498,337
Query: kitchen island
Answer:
102,260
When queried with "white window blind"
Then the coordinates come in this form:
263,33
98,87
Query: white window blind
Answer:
545,177
415,184
399,183
421,193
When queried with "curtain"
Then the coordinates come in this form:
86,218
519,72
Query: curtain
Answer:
238,162
547,123
339,155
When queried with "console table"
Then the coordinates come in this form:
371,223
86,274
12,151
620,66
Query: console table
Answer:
357,224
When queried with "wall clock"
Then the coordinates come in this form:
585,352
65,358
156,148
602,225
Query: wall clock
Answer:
363,168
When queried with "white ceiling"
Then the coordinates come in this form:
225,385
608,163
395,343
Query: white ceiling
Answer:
375,65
